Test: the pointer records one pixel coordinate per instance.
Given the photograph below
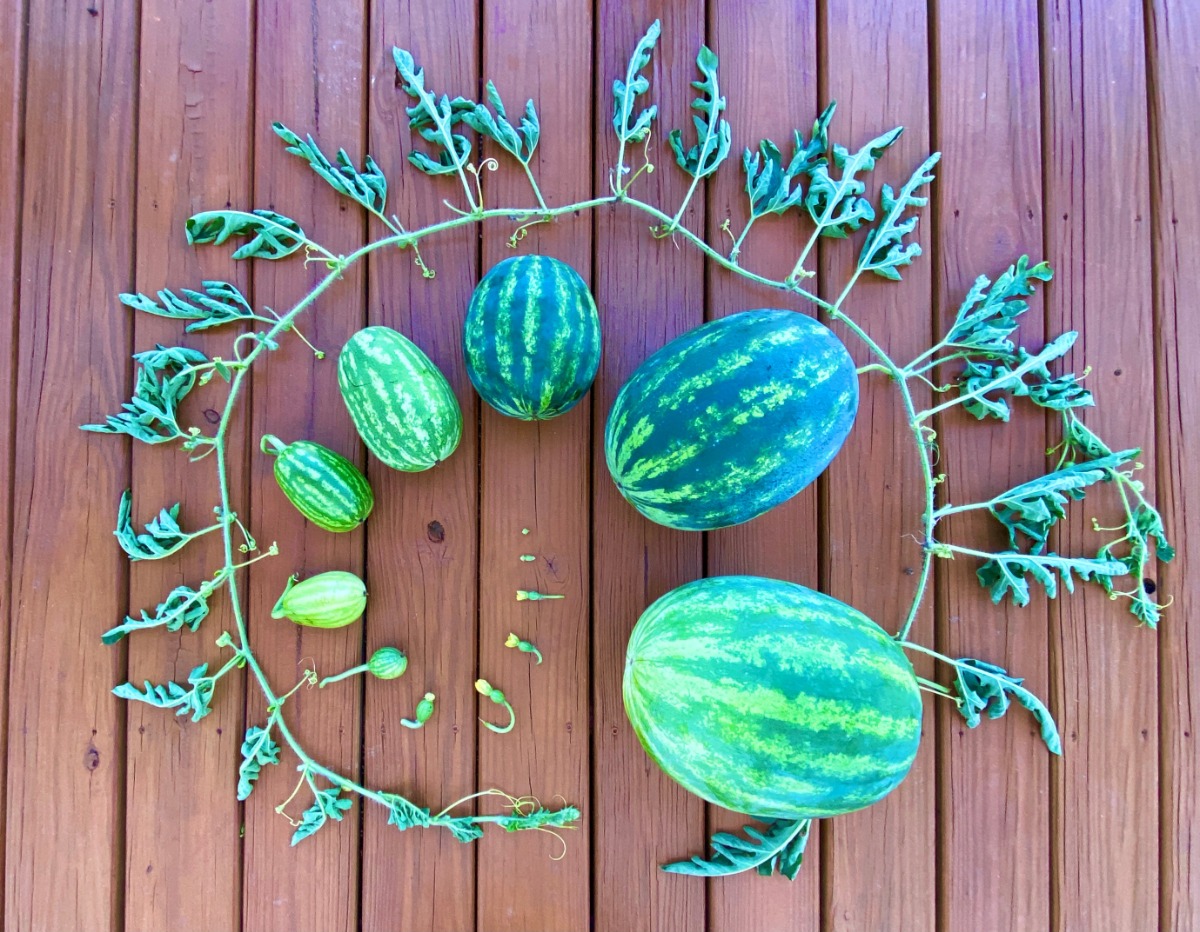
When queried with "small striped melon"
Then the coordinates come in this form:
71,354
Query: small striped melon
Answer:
402,405
770,699
731,419
532,338
328,489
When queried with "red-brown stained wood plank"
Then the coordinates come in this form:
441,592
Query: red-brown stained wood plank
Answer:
309,74
12,79
768,72
1173,50
422,553
536,476
880,864
995,779
182,846
1104,666
648,292
66,740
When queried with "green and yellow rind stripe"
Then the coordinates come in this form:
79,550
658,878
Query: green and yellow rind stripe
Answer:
403,407
731,419
771,699
325,487
532,338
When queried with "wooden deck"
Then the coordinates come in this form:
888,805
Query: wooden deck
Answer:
1069,131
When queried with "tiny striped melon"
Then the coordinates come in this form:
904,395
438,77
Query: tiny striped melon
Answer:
532,338
328,489
770,699
731,419
403,407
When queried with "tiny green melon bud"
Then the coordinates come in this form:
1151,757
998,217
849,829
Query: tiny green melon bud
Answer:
424,711
388,663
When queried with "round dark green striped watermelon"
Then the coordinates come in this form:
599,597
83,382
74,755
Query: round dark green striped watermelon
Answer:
731,419
770,699
532,338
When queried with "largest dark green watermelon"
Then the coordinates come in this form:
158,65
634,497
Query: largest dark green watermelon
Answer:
768,698
731,419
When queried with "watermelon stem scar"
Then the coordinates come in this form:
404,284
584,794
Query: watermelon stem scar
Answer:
385,378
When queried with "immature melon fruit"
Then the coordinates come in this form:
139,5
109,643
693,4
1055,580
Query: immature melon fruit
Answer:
532,338
324,486
402,405
731,419
771,699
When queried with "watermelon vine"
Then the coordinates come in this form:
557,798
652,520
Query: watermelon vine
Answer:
821,180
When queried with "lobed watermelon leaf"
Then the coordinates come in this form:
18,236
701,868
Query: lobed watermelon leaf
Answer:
327,805
1032,508
196,700
837,206
258,750
884,250
367,187
271,235
1026,375
434,119
164,377
219,303
1003,574
985,687
778,848
184,606
989,313
770,185
712,131
520,144
625,93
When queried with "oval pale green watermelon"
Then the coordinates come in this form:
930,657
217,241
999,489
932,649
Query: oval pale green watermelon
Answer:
770,699
532,338
731,419
401,404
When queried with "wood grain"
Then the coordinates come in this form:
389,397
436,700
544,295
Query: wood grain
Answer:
1173,49
995,779
1104,667
648,292
537,476
1068,128
880,860
423,538
66,734
12,96
183,853
781,544
319,48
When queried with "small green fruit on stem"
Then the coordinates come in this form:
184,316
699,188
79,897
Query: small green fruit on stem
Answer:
524,646
327,600
424,711
484,688
527,595
387,663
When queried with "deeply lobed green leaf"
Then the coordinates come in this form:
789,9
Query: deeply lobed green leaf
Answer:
712,132
271,235
631,128
985,687
778,847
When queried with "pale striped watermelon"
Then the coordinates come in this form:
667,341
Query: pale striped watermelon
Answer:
768,698
532,338
402,405
731,419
